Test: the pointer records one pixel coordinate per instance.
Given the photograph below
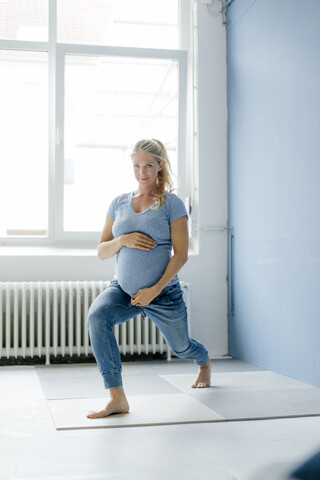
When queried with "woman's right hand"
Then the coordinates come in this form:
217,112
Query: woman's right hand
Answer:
138,240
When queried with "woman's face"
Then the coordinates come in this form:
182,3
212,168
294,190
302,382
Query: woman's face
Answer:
146,169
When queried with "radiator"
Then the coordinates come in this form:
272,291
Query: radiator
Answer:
50,319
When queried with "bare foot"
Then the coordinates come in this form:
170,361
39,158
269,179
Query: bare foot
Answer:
204,376
112,407
117,404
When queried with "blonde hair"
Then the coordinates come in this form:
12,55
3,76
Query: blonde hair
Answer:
159,153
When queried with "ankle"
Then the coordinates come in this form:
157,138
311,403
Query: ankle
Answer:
117,393
205,365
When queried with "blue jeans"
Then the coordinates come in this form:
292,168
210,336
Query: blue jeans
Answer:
167,311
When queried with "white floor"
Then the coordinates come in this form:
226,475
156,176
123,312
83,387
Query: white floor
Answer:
31,447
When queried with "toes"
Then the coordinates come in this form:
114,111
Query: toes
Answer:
93,414
203,385
200,385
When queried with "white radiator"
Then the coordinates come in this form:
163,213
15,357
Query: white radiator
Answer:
50,318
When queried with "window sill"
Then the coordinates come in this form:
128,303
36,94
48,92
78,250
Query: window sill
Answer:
47,251
54,251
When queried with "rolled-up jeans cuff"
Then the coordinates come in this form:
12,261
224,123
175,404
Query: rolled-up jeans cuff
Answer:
201,362
112,380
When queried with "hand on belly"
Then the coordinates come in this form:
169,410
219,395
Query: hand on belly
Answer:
143,297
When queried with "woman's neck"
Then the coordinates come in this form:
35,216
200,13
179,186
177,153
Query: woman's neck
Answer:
146,192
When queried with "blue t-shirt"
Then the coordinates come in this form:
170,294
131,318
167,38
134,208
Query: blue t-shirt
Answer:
136,269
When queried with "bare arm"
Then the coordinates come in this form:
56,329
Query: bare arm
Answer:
108,245
180,243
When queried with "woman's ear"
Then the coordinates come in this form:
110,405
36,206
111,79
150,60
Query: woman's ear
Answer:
161,165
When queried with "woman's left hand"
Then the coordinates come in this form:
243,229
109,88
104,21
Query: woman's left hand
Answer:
143,297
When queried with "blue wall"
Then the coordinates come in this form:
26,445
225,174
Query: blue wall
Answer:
273,57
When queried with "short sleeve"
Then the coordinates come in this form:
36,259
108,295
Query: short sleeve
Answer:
112,208
176,209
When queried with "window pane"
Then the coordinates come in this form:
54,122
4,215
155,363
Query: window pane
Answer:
110,103
24,20
24,143
131,23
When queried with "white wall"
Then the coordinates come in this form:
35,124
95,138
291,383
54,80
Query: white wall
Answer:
207,270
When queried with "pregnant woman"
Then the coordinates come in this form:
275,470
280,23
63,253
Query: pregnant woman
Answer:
141,229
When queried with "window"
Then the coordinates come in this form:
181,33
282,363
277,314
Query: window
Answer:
24,143
76,93
125,23
116,102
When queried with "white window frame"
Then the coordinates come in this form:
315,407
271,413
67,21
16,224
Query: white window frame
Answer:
56,64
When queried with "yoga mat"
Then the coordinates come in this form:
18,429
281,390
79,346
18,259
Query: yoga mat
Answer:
253,395
144,410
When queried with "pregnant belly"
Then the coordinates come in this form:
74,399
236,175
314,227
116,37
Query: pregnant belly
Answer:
138,269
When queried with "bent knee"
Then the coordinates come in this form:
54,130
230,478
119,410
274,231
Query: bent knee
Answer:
96,318
181,351
92,320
